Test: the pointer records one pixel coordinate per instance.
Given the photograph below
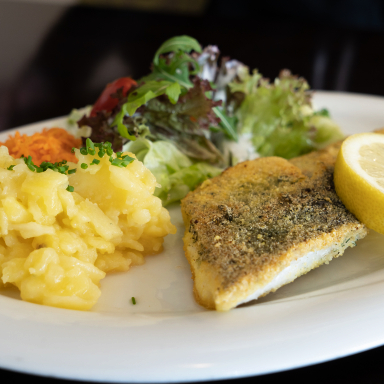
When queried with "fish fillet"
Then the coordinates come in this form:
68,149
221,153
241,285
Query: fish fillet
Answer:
263,223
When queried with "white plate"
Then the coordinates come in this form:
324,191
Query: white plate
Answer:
333,311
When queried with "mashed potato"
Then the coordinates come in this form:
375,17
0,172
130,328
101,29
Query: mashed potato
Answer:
56,245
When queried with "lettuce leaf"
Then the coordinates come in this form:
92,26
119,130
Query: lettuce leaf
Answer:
141,96
176,66
178,43
174,171
172,103
72,119
186,123
227,123
327,131
279,116
170,76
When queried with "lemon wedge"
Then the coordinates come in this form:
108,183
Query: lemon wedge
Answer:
359,178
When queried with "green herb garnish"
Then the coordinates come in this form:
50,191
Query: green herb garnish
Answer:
101,153
121,161
90,146
133,301
59,167
28,161
104,148
62,167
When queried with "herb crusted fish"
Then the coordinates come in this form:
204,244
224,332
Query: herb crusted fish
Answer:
263,223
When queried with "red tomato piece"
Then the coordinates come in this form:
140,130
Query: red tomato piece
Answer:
105,102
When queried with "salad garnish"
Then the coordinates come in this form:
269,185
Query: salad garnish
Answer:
184,119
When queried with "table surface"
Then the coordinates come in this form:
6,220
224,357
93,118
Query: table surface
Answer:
57,57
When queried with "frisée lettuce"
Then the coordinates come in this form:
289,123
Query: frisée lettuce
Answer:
279,116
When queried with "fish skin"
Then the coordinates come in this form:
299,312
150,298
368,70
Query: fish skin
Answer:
248,224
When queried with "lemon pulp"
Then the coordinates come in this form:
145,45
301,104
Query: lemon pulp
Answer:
372,161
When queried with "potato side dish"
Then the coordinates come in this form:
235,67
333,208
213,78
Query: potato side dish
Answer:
61,232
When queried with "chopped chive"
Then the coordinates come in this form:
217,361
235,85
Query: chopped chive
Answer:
101,153
10,168
133,301
90,146
117,163
89,143
108,148
121,162
70,188
128,158
29,163
89,149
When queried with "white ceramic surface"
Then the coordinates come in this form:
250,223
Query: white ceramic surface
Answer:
333,311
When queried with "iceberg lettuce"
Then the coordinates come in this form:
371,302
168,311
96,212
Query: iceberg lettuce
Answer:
175,173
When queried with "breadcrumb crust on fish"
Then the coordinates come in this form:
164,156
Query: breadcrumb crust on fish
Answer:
250,223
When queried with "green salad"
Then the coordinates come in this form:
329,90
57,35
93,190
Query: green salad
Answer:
193,116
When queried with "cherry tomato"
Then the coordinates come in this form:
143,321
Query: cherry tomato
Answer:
105,102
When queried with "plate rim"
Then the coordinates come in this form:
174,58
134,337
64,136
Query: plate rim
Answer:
188,374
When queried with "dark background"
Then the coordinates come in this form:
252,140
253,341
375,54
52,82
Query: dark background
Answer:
54,57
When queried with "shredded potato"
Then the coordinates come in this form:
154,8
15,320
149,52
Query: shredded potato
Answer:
56,245
53,145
